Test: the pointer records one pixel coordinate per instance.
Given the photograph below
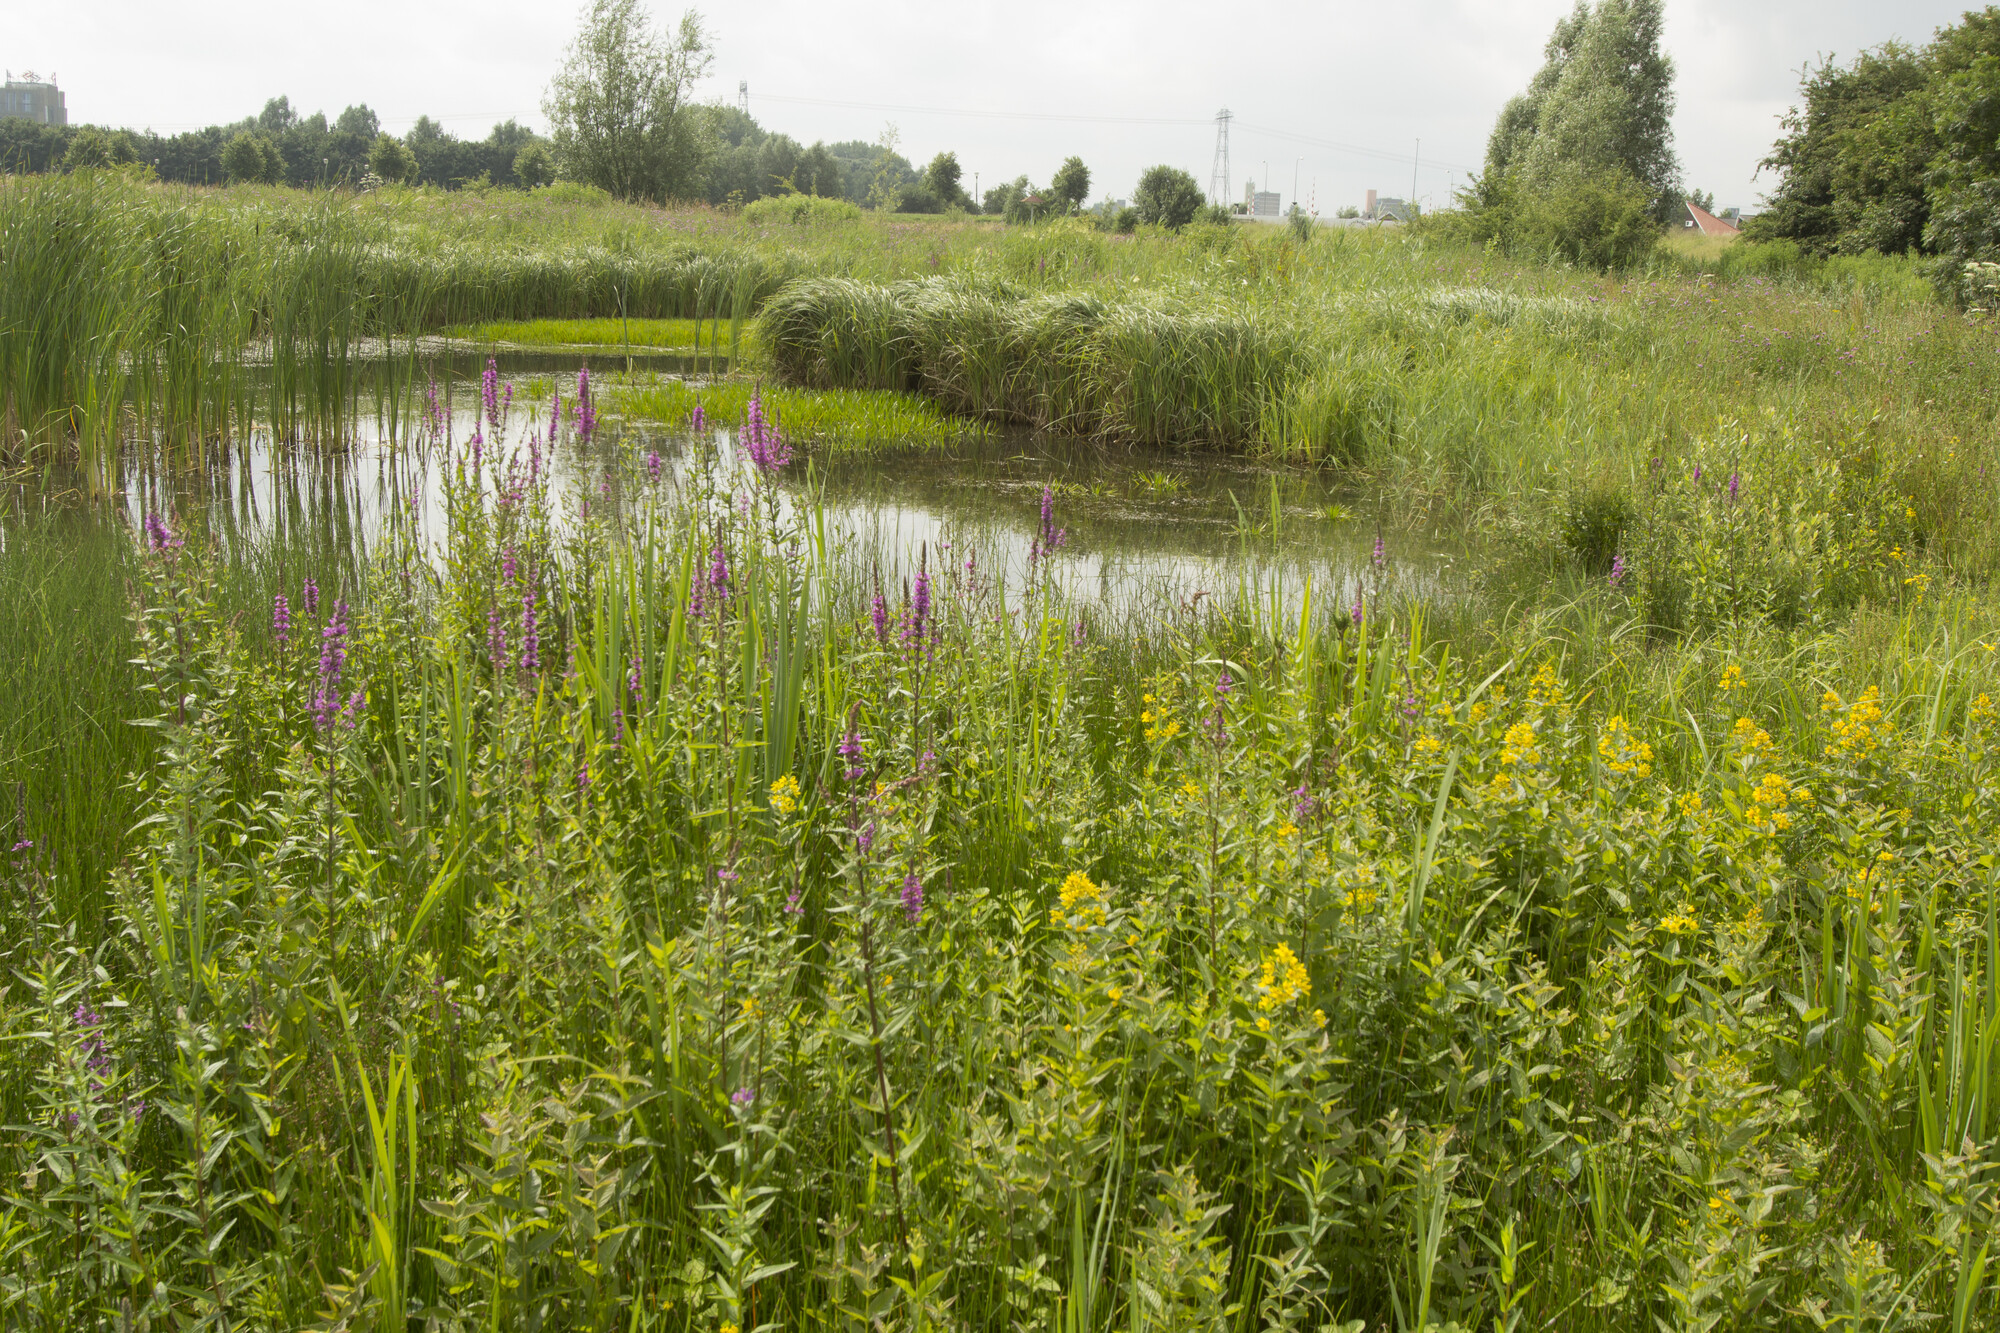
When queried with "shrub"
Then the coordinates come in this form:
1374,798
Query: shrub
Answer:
800,210
391,159
1593,526
1167,197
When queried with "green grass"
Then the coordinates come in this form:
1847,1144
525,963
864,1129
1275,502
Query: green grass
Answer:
835,419
669,333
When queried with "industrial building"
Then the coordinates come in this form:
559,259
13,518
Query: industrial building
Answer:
30,98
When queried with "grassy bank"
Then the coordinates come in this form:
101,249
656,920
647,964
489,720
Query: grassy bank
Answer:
642,926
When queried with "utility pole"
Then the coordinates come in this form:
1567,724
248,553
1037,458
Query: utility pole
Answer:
1218,176
978,199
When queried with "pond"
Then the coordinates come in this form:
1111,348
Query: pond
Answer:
1143,530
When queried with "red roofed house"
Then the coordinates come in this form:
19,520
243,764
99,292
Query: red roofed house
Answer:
1708,223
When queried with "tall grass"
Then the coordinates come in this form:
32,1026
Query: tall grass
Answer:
629,922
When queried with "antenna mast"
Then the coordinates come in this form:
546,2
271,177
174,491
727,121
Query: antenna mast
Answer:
743,96
1218,177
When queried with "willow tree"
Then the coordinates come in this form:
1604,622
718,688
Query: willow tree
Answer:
622,109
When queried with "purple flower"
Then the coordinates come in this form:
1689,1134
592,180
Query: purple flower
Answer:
555,414
1697,472
478,443
792,905
326,703
1048,537
1617,568
617,728
865,839
918,623
507,565
878,612
1355,614
635,677
433,410
25,845
583,776
1380,558
761,440
653,465
496,637
586,423
850,750
1303,803
309,596
1733,479
742,1097
718,574
489,394
1076,635
161,539
697,419
531,638
913,897
281,620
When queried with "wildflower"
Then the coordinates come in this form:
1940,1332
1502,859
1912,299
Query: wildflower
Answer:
850,750
1731,680
1284,979
617,728
865,838
792,905
1688,803
785,794
697,419
489,396
760,439
1355,614
1427,746
1048,537
742,1097
478,446
1732,488
309,596
1380,559
1076,635
281,620
913,898
1263,1024
531,638
653,465
1617,568
1288,830
326,704
1518,746
718,574
586,424
1082,901
1191,791
1750,738
555,414
1303,803
496,637
583,777
878,612
920,610
635,677
1622,754
1680,923
1858,728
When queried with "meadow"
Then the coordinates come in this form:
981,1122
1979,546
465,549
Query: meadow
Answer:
644,915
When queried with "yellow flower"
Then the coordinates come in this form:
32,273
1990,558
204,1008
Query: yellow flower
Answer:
1284,979
1427,745
1680,923
1288,829
1319,1018
1689,804
1081,897
729,1328
785,794
1116,993
1190,790
1622,754
1517,745
1263,1025
1732,678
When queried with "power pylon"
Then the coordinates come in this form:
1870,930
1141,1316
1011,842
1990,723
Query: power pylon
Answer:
743,96
1218,178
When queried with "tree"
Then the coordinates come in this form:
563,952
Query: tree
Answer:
1167,196
941,179
1071,184
93,147
358,120
253,158
534,167
620,106
1603,101
392,160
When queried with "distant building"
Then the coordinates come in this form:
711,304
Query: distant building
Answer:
1264,204
30,98
1390,210
1706,223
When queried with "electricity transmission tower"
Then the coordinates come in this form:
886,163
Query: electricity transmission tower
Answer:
743,96
1218,179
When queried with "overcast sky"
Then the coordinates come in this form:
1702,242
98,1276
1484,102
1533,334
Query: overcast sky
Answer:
1347,86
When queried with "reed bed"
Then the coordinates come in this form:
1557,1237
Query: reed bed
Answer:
648,920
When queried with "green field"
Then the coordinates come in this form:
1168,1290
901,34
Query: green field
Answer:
660,916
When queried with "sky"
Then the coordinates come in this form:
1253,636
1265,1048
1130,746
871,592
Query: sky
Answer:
1340,96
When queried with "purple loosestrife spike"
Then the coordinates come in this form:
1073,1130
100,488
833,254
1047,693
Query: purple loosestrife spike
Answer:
1697,472
792,905
583,776
478,448
1224,686
507,565
617,728
531,639
1733,478
913,898
506,405
586,423
309,596
281,620
1617,568
1358,608
1076,636
878,612
697,420
496,638
1303,803
850,750
865,839
489,392
1380,558
555,415
653,465
25,845
635,677
326,703
718,575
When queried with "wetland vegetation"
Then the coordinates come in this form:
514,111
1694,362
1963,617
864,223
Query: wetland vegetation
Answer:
510,855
